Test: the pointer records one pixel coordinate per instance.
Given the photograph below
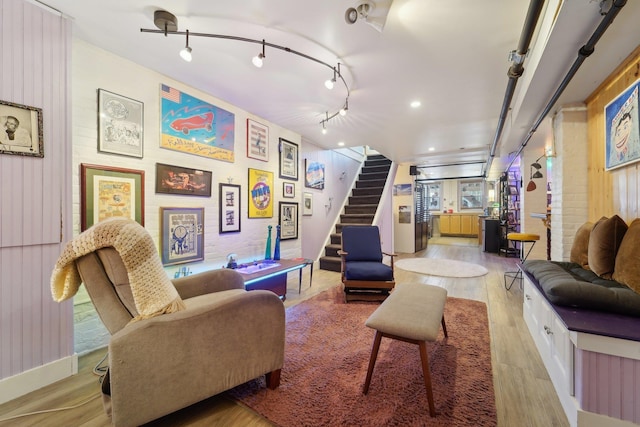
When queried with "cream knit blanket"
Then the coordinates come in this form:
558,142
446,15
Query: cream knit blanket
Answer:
153,292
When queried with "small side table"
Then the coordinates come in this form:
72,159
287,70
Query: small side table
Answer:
308,262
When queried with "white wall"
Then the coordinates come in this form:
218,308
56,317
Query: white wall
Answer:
94,68
341,171
404,234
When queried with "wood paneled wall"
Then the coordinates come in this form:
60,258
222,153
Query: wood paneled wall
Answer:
616,191
35,205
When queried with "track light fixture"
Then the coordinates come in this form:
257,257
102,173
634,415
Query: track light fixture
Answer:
330,82
167,24
186,52
343,110
257,60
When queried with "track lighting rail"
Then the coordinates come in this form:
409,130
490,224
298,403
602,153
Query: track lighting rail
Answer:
171,29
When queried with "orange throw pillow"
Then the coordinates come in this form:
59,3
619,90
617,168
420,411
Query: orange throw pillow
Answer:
580,247
627,269
604,242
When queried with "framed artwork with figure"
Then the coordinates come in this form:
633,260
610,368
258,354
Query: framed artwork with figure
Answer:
182,235
20,130
110,192
622,129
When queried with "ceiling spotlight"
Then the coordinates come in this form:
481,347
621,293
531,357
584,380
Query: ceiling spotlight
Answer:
258,59
415,104
324,129
330,82
343,110
186,52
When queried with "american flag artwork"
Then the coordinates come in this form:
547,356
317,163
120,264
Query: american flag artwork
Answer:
195,126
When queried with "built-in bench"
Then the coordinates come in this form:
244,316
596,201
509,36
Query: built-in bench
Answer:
592,357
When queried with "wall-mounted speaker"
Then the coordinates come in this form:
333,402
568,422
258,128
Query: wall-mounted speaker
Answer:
413,170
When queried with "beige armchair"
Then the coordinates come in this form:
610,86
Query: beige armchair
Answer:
226,336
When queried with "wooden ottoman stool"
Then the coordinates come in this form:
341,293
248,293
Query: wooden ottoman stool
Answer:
412,313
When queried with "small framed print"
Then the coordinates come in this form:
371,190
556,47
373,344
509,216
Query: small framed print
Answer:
257,141
110,192
120,124
314,175
288,220
288,190
180,180
288,160
307,207
182,235
229,208
20,130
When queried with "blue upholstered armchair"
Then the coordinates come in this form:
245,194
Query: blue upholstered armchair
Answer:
364,275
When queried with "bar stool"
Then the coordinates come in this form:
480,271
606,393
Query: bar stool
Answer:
523,239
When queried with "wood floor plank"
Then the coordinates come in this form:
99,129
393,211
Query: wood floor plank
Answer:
524,392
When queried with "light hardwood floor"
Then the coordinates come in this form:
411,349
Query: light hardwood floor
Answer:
523,390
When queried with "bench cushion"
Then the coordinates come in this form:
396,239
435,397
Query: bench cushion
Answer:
412,311
568,284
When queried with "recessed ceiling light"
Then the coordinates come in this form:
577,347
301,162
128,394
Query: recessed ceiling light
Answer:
432,149
415,104
341,144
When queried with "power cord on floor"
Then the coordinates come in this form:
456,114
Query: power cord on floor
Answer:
98,370
45,411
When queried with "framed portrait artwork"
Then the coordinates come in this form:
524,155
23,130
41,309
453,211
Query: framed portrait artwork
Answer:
229,208
180,180
110,192
314,175
182,235
288,190
307,206
260,193
288,220
120,124
622,129
257,141
21,130
288,160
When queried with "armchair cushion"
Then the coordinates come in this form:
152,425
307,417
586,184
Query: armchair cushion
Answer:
366,270
361,243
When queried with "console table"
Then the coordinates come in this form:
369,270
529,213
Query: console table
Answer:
274,279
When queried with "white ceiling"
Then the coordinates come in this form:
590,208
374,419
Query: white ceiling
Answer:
450,55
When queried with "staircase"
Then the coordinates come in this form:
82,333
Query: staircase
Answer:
361,208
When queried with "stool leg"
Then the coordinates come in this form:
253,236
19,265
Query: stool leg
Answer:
372,361
427,376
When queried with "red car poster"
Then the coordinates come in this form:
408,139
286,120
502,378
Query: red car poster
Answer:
193,126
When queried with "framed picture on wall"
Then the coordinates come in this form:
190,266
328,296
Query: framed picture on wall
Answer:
229,208
288,160
120,124
257,141
110,192
288,190
314,175
22,130
307,209
622,129
288,220
182,235
180,180
260,193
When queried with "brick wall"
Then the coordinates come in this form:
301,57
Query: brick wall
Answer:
569,201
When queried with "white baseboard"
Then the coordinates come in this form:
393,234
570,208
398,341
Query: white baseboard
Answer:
36,378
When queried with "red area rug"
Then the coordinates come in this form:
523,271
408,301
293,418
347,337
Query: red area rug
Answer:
326,358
